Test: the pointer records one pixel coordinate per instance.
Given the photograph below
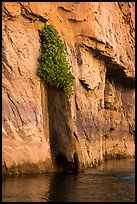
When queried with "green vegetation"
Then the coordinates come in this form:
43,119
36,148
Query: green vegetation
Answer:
54,67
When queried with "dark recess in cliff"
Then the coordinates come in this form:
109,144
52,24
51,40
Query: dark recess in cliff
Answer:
62,151
114,71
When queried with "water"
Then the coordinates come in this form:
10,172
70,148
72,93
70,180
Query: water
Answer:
113,181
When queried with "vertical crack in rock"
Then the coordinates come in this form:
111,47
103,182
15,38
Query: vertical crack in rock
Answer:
16,109
60,130
78,54
75,135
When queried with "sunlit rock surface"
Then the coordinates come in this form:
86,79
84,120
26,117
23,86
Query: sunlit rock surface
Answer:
38,123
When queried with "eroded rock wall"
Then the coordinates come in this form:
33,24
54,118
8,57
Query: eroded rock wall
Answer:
100,116
25,133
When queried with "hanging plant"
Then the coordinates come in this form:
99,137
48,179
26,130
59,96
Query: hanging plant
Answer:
54,67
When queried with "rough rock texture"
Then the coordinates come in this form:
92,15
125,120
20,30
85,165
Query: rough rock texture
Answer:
38,122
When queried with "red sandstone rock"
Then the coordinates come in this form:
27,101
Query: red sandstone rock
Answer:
100,40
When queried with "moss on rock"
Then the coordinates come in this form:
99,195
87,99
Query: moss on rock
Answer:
54,67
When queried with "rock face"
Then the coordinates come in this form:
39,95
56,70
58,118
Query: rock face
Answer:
41,130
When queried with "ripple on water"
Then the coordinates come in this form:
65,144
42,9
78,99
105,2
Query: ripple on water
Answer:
114,181
130,177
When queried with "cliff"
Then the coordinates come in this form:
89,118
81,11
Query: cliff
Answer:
42,131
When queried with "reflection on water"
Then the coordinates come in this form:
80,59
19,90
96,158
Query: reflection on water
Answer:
113,181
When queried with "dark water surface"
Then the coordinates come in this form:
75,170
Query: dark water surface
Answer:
112,181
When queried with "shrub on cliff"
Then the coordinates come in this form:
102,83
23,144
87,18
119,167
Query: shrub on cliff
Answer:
54,67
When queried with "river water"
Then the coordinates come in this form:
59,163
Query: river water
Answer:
112,181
